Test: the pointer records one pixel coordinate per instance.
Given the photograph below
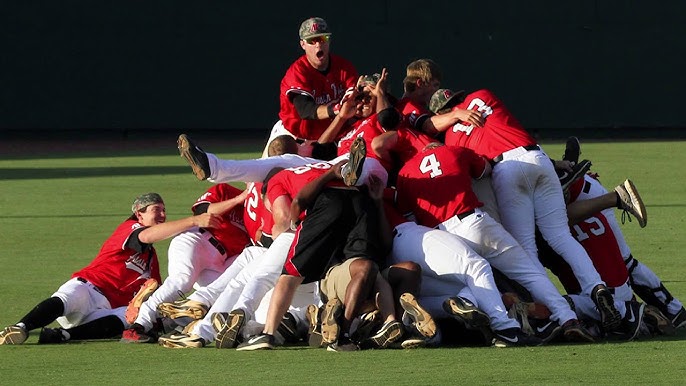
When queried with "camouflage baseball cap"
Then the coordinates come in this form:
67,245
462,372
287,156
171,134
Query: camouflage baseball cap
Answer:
442,98
313,27
369,79
144,200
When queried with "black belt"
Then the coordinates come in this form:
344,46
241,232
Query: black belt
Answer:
84,281
462,215
500,157
214,242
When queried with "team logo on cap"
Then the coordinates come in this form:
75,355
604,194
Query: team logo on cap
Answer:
316,27
447,94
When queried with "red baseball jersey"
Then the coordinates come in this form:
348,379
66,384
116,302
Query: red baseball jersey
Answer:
367,129
119,271
289,181
410,142
411,111
501,131
302,78
437,184
253,212
231,233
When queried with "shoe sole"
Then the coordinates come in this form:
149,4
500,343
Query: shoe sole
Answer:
358,152
135,304
472,317
423,320
184,146
577,173
171,311
171,344
390,335
413,343
226,336
578,335
637,203
330,315
14,337
610,319
260,346
314,335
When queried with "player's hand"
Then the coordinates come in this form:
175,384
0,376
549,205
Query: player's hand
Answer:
563,165
376,187
336,169
471,117
349,104
207,220
379,90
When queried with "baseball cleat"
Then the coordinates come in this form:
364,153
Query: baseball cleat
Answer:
657,322
183,308
467,313
227,326
258,342
195,157
630,201
13,335
288,328
333,309
137,334
390,332
679,319
353,169
141,296
51,336
314,330
631,323
421,319
182,341
342,345
572,150
610,319
515,337
578,171
368,323
573,331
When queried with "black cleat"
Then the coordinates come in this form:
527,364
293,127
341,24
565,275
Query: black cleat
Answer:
227,326
515,337
578,171
261,341
572,150
610,319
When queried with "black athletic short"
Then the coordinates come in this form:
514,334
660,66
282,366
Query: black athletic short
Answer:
342,223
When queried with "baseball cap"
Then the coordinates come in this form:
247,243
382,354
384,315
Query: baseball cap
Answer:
441,99
369,79
313,27
144,200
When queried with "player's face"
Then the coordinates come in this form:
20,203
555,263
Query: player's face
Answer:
317,51
365,105
154,214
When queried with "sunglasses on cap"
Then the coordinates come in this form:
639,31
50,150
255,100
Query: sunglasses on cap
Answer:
318,39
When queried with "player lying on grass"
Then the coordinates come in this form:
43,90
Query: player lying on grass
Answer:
92,304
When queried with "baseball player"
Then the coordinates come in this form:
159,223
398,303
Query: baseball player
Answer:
195,256
526,186
312,85
421,192
92,304
316,235
597,229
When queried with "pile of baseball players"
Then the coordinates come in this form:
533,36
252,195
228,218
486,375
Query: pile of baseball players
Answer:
373,222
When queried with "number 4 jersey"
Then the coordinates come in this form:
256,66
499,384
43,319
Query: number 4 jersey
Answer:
436,184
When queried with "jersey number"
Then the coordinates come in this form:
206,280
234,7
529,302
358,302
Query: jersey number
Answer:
481,106
251,203
595,227
430,164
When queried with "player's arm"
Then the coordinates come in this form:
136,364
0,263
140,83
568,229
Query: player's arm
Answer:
307,108
219,208
169,229
442,122
346,112
376,191
383,144
281,212
306,196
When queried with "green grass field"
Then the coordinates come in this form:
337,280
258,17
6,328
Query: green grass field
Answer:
57,209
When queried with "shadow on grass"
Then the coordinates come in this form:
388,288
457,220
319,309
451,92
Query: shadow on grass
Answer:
52,173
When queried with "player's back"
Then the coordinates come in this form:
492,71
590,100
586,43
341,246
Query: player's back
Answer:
501,131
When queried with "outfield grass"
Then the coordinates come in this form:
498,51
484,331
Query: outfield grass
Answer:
59,208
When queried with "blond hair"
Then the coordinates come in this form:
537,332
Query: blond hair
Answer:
425,70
